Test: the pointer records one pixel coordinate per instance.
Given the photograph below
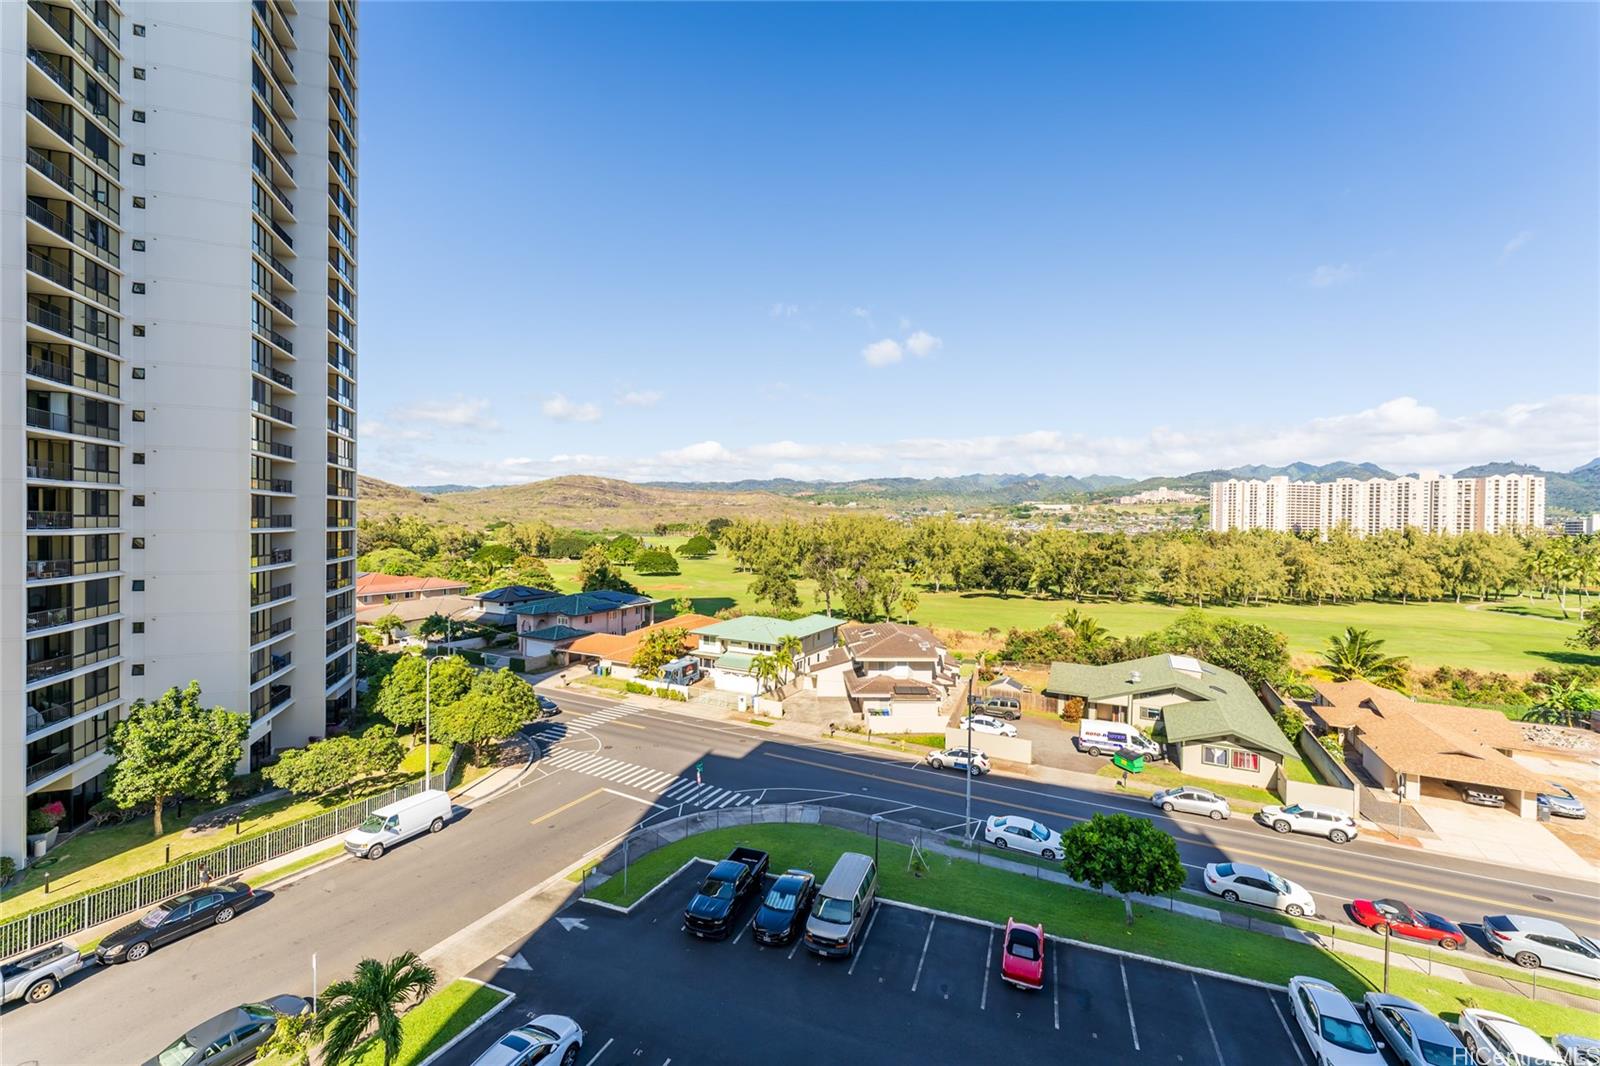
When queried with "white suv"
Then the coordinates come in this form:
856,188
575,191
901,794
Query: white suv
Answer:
1495,1040
1337,826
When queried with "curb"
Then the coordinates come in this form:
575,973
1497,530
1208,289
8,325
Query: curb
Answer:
496,1009
629,909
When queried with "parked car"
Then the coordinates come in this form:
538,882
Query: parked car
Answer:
1241,882
784,910
36,976
1022,955
1014,831
1109,738
1331,1025
1535,942
710,910
1577,1050
426,812
1192,800
1401,920
1478,795
972,761
1561,803
1336,825
1007,707
549,1039
176,918
982,723
843,906
1417,1037
231,1037
1494,1040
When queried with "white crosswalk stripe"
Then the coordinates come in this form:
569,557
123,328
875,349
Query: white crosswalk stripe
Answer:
553,730
669,787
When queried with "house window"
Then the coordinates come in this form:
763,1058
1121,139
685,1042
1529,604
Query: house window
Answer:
138,245
138,29
138,331
138,373
1150,714
1246,760
138,458
138,542
138,201
1214,756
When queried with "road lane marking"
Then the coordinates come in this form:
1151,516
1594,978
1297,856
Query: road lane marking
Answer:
1287,1031
596,1056
1055,987
636,799
1206,1014
915,981
630,725
861,946
1128,997
567,806
988,953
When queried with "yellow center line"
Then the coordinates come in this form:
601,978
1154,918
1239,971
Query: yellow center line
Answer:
1230,850
566,807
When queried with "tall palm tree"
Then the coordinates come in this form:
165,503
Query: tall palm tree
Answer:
767,671
1357,654
368,1003
789,651
1088,633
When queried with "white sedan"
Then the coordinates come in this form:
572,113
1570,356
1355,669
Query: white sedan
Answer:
1238,881
549,1039
982,723
1331,1025
1495,1040
1013,831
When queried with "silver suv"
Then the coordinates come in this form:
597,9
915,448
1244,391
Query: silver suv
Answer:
1535,942
1336,825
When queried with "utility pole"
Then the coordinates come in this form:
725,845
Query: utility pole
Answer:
968,775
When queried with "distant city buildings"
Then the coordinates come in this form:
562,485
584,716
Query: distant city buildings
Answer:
1581,526
1434,503
1162,495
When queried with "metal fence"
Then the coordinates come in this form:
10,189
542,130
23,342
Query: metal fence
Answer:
85,911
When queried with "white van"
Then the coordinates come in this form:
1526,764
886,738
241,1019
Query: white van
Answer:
426,812
1108,738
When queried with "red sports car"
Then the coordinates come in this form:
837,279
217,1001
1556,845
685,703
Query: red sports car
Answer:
1401,920
1022,955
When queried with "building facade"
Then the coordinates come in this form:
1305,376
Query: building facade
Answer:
1433,503
177,375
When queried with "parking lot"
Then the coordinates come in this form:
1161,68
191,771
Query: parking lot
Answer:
922,988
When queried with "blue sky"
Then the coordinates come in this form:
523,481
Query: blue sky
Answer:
673,241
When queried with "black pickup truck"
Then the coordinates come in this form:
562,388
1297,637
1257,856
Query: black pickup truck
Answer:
710,912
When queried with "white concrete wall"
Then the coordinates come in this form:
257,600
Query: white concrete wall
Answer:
1010,749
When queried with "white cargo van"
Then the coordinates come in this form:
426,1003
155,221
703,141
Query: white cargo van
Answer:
426,812
1108,738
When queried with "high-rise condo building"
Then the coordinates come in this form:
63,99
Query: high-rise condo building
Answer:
177,375
1433,503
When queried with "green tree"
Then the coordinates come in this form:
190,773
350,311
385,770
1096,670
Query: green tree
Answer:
1587,638
1357,654
655,562
1129,853
1088,634
368,1004
681,606
174,747
524,570
697,547
403,696
657,648
596,572
386,624
623,547
568,544
291,1041
767,671
330,764
773,583
1254,652
788,653
390,561
1291,720
492,557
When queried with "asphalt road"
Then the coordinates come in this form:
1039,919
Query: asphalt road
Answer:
429,888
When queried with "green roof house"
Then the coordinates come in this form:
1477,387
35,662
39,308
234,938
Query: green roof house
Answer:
1215,726
727,649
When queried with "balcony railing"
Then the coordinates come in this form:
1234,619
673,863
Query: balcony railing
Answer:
63,374
272,410
264,633
63,277
61,422
46,569
50,617
60,760
272,521
269,371
49,318
277,264
40,716
272,484
272,447
63,129
274,336
61,664
277,592
271,666
273,558
50,470
70,520
62,227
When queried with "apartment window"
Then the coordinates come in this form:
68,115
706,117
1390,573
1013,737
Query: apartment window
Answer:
138,373
1246,760
138,584
138,458
138,288
138,74
1214,756
138,245
138,501
138,116
138,331
138,201
138,29
138,159
138,416
138,627
137,669
138,542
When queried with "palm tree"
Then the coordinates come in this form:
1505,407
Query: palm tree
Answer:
368,1004
1357,654
767,671
789,651
1086,632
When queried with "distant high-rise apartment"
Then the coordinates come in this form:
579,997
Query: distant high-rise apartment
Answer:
1433,503
178,368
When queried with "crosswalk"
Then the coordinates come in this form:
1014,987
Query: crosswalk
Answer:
553,729
669,788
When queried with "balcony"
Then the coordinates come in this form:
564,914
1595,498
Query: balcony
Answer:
70,520
63,374
264,702
277,592
61,422
334,614
271,484
63,276
272,410
63,128
276,376
64,758
272,521
47,712
61,664
274,262
53,67
56,320
52,569
50,617
60,19
274,336
272,447
273,664
261,634
273,558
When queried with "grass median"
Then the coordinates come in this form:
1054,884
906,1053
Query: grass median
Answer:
991,894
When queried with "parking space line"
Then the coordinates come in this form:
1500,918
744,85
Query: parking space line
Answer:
988,953
1286,1030
1055,988
595,1057
1128,996
742,928
1206,1014
917,980
795,948
864,934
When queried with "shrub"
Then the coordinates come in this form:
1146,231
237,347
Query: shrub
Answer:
1330,744
8,867
518,665
105,811
241,786
39,822
472,656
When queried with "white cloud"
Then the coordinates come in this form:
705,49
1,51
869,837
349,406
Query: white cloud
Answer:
384,431
860,312
463,412
562,409
923,344
782,310
639,398
883,353
905,323
1328,275
1521,240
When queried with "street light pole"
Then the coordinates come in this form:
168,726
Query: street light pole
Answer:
427,722
969,744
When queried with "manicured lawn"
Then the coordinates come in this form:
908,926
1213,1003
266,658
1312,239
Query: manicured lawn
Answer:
993,895
415,759
1157,776
1517,636
431,1024
1296,769
610,684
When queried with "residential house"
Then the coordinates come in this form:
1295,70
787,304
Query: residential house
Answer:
1424,751
495,605
1213,723
614,652
727,649
898,679
413,612
548,625
397,588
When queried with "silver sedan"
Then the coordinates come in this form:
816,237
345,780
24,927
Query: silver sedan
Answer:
1192,800
1416,1036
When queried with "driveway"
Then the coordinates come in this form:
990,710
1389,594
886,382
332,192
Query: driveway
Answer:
1491,835
1052,745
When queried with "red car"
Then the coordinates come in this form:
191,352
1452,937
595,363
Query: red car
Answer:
1401,920
1022,955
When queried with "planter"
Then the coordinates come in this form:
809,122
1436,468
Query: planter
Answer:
49,838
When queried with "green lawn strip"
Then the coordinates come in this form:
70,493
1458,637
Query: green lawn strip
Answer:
1157,777
963,887
428,1026
612,684
1297,770
280,872
919,743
